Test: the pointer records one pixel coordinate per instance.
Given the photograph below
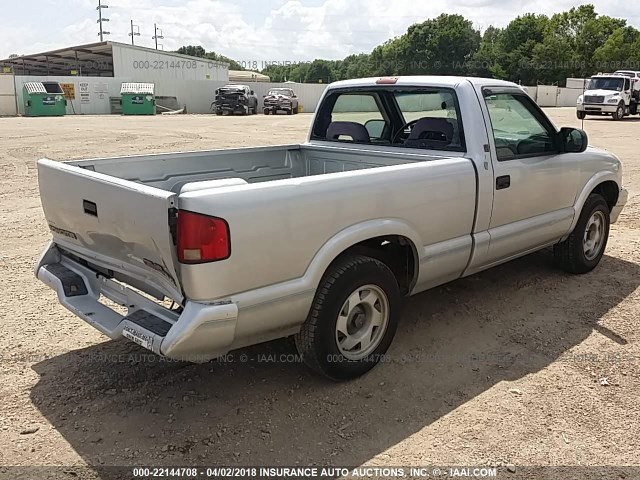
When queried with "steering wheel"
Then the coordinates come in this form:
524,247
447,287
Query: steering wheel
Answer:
402,134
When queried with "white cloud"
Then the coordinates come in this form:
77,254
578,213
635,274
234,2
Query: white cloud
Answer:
253,31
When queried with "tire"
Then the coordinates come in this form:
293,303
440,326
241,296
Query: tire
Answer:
355,294
290,111
266,111
295,110
583,250
581,115
619,113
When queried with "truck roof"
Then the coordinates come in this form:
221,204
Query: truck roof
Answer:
423,80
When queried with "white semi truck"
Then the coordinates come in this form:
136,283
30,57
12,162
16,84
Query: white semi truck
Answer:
616,94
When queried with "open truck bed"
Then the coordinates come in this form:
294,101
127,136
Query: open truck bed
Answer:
115,225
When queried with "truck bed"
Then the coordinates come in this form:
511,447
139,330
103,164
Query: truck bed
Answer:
171,172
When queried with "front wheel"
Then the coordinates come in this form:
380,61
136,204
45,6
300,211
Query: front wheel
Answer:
583,250
581,115
353,318
619,113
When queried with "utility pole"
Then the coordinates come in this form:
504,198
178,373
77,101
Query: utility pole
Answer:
134,34
156,36
102,20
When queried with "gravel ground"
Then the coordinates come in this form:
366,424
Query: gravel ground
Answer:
519,365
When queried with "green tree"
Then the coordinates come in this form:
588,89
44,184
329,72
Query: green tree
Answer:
319,72
192,51
619,51
487,61
576,34
200,52
440,46
518,41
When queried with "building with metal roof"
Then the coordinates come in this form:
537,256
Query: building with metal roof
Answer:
114,59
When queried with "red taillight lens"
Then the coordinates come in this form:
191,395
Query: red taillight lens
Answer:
202,239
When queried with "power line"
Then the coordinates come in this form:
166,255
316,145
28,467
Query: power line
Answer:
134,33
101,20
157,37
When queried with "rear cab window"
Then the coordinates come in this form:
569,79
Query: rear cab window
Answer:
425,118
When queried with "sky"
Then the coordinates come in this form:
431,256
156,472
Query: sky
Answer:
257,30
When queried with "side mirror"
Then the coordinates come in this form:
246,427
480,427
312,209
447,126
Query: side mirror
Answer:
573,140
375,128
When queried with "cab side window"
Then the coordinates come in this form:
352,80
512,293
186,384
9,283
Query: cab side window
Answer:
519,130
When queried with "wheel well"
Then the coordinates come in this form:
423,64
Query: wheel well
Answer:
610,191
397,252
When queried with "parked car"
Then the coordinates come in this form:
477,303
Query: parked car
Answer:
614,94
235,99
404,184
280,99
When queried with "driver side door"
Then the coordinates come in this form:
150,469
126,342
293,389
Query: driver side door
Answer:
535,185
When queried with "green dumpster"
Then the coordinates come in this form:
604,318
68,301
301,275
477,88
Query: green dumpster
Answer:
43,99
138,99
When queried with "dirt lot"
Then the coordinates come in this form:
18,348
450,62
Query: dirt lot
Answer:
504,367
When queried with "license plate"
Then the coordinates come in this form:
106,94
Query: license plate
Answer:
140,338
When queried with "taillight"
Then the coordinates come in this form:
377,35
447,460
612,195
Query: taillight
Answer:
202,238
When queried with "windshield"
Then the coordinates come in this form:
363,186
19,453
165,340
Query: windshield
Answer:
281,91
606,83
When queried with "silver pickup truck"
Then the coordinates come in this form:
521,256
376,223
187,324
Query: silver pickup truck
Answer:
404,184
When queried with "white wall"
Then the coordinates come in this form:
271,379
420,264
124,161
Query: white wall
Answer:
547,95
196,95
533,93
145,65
7,96
568,97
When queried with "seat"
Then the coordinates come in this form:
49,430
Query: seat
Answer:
356,131
430,132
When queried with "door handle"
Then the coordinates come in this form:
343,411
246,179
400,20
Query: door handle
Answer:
504,182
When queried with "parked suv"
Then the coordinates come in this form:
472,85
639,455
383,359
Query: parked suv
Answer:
280,99
235,99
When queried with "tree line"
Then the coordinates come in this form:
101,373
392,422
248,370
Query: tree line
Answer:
531,49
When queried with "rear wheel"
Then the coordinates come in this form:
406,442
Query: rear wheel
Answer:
353,318
619,113
583,250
